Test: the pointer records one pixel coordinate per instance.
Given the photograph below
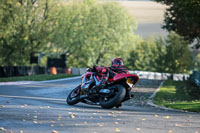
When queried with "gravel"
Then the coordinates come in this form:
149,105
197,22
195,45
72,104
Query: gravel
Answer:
142,91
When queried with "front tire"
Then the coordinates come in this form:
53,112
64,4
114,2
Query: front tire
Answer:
74,96
110,102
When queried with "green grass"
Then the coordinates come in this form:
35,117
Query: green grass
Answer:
174,94
36,77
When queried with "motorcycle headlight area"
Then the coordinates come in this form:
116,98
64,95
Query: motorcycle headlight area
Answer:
129,81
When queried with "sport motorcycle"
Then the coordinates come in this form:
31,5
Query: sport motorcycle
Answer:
117,90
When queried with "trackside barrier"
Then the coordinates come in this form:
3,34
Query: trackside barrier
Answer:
34,70
27,70
21,71
144,74
78,71
195,78
160,76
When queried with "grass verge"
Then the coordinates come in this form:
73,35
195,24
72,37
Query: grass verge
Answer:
36,77
174,94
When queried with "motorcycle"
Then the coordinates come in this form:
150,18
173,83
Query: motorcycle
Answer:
117,90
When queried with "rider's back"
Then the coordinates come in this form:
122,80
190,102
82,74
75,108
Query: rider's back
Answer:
116,69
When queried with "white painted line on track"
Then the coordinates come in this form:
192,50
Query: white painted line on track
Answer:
57,80
37,82
33,98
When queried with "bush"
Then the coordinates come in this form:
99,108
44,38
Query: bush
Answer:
171,55
176,95
192,90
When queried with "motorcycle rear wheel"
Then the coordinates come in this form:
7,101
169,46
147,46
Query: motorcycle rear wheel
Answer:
74,96
108,103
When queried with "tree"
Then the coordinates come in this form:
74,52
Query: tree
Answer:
114,30
92,32
88,31
182,17
170,55
179,57
147,56
25,26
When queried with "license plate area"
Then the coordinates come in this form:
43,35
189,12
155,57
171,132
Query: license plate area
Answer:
129,81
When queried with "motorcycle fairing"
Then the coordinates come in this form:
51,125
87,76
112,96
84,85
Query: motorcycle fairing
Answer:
88,74
122,76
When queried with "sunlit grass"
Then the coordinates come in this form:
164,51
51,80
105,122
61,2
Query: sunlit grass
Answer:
193,106
36,77
173,94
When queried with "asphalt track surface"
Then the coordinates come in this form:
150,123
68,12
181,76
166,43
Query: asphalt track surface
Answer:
40,107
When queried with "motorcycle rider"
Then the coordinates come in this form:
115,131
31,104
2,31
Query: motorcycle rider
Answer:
117,67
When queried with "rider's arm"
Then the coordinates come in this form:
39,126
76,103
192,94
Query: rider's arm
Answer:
102,70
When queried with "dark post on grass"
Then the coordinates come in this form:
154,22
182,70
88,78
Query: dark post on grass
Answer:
195,78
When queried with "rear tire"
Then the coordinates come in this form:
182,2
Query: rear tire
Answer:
74,96
108,103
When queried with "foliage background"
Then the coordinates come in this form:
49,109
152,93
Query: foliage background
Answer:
182,17
89,32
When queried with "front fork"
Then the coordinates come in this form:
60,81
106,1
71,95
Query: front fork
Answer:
97,82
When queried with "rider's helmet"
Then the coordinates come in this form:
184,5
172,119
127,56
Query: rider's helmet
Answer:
117,61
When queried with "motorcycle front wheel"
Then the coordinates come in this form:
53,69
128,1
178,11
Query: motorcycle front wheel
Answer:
74,96
115,99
